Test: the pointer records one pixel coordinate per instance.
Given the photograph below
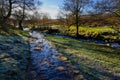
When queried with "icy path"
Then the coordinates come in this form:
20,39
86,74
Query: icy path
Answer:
47,63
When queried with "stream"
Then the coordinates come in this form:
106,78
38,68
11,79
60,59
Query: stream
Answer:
47,64
99,42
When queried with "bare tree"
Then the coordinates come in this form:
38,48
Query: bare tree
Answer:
8,7
35,19
24,7
107,6
5,11
65,18
45,19
76,8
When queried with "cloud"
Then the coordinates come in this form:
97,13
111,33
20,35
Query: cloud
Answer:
51,7
53,12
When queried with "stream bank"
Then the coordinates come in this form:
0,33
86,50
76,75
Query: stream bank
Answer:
90,40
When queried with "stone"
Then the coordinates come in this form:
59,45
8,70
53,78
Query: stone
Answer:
37,48
61,68
4,55
107,44
62,58
40,42
76,71
79,77
35,38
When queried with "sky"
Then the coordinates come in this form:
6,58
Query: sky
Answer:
51,7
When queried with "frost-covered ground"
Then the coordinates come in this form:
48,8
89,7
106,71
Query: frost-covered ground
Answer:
14,57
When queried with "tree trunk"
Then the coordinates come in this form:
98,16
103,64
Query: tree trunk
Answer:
3,21
77,24
20,25
23,16
10,10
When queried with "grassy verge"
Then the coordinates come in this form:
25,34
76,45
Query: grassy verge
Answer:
14,55
107,34
95,62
